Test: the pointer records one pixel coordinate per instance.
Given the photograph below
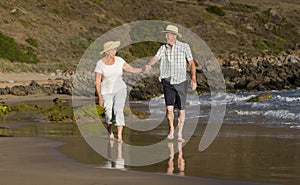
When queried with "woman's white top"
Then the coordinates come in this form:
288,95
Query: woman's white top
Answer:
111,75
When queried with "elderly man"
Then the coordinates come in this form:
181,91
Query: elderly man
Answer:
173,57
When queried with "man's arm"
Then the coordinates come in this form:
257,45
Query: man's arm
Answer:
193,74
151,62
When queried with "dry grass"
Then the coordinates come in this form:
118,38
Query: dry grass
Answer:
63,30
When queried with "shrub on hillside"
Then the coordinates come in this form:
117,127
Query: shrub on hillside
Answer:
144,49
242,7
32,42
215,10
10,50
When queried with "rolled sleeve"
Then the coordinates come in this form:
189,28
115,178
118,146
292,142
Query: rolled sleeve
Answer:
189,55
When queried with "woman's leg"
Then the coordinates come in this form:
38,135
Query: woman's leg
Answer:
120,131
119,104
108,106
110,132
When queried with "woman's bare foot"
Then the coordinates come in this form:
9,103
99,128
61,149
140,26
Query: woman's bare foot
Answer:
171,134
111,136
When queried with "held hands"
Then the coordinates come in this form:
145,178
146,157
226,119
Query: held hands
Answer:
147,67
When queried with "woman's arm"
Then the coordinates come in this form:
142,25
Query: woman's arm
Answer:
98,89
130,69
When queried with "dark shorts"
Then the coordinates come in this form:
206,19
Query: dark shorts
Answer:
175,94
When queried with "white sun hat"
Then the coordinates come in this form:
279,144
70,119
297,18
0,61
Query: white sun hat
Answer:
172,29
110,45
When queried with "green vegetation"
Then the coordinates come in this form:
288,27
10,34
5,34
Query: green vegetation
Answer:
144,49
269,46
10,50
98,2
88,111
126,55
4,109
56,11
182,2
32,42
8,66
262,17
286,30
261,97
59,114
215,10
242,7
23,107
62,113
207,16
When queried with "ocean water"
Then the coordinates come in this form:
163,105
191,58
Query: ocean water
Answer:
283,110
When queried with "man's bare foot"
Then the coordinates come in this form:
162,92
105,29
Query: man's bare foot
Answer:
120,141
111,143
180,139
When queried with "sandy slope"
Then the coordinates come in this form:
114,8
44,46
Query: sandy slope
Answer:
12,79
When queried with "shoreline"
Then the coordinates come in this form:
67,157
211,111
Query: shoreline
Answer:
24,78
29,160
12,99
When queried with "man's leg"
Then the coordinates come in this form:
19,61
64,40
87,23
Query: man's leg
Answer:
170,168
180,161
181,118
181,101
170,117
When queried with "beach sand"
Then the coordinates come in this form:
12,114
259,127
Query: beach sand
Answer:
12,79
34,160
37,160
15,79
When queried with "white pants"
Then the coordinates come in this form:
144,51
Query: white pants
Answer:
114,107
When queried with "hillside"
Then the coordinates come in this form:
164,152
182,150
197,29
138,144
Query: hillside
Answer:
59,31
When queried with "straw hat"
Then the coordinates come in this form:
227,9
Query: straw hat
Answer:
110,45
172,29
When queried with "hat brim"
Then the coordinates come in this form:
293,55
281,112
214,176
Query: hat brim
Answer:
114,45
175,33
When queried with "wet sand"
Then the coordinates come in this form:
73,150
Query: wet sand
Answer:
241,154
28,160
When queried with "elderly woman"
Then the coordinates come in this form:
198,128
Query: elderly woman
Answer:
111,88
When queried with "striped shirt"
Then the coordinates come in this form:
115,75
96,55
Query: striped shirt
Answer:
173,62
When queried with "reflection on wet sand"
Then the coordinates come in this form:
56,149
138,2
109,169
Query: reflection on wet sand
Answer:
118,162
180,160
115,162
